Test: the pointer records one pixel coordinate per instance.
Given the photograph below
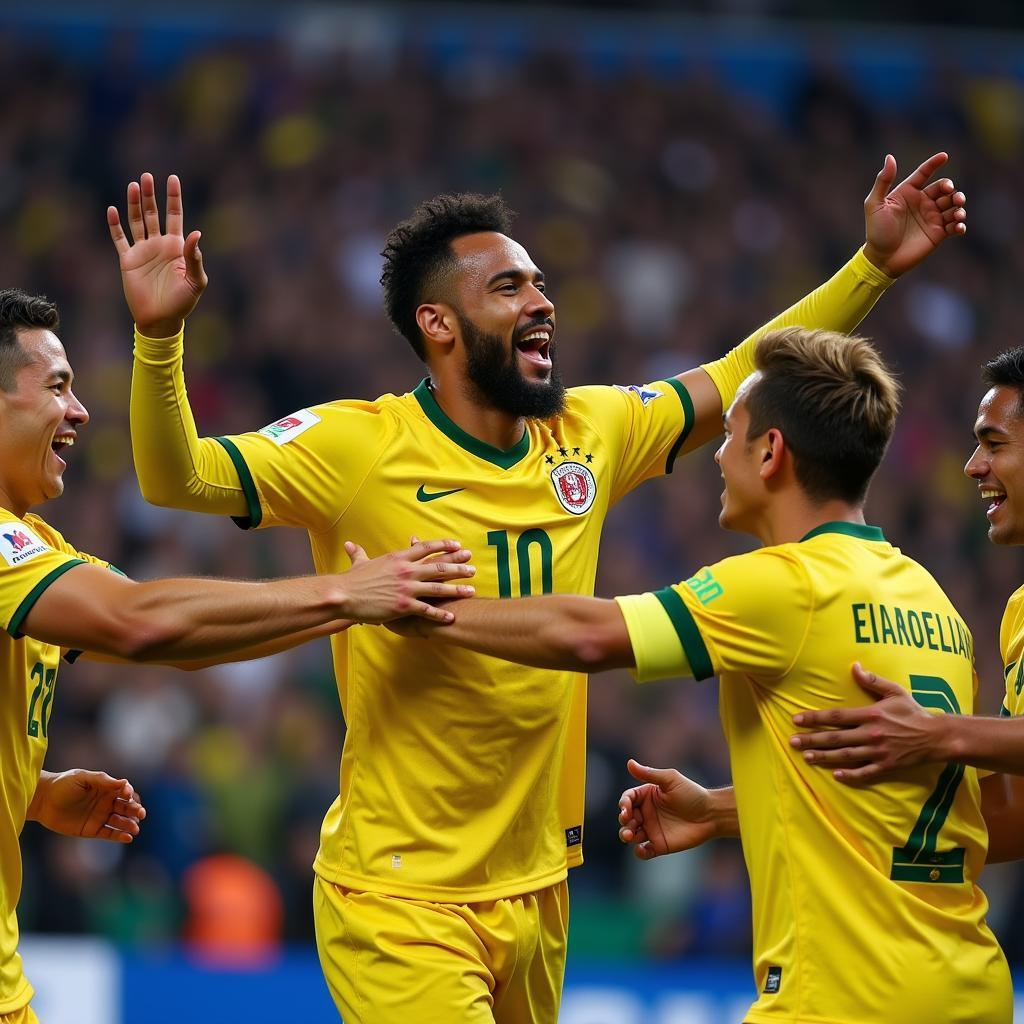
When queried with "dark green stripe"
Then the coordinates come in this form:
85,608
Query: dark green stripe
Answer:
688,633
688,417
860,530
33,595
1004,711
503,458
252,498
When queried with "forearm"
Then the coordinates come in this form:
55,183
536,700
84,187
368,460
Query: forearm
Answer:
176,468
993,743
838,305
183,619
723,813
35,807
582,634
266,650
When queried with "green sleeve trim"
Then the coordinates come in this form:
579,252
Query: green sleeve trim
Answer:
688,417
688,633
14,627
252,498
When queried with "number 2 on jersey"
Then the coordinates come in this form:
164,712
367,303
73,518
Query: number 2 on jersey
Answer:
918,860
525,545
46,679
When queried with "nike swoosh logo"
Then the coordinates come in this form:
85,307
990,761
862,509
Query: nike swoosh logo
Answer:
424,495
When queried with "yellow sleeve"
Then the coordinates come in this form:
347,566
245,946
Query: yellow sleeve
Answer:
747,615
29,563
1011,649
176,468
643,425
305,469
838,305
655,643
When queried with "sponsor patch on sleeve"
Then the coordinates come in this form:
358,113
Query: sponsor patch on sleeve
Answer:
19,544
645,394
289,428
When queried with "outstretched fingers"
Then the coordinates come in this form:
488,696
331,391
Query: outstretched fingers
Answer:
136,225
150,212
117,235
175,213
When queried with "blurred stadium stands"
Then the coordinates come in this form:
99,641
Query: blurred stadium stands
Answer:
679,180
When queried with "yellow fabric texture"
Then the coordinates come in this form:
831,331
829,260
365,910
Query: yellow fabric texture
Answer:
175,467
653,637
29,672
883,878
478,763
1011,647
389,960
25,1015
838,305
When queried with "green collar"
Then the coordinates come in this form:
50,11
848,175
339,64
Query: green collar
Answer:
505,459
859,530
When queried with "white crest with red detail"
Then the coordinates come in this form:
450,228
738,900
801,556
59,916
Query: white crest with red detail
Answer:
289,428
575,487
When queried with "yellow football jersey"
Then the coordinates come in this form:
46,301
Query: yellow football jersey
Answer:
865,901
1011,647
461,775
32,556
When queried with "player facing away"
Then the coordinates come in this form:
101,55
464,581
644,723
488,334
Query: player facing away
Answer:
865,903
865,743
461,786
57,600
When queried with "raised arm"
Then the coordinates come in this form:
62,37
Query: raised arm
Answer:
92,609
163,277
903,226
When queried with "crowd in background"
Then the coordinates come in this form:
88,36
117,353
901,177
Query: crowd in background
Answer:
672,213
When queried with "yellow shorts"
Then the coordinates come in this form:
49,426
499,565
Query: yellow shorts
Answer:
389,960
22,1016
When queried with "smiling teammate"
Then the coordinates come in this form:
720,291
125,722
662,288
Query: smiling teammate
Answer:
54,598
461,788
866,907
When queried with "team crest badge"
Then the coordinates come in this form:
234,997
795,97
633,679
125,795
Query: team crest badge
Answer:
575,487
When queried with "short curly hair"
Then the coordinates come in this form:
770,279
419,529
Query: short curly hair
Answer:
418,258
20,311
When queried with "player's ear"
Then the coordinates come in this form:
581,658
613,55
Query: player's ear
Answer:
773,450
437,322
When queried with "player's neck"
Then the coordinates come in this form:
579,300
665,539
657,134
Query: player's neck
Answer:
498,429
788,521
10,503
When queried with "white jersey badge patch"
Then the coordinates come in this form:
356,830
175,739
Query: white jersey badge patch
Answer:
575,487
646,395
19,544
289,428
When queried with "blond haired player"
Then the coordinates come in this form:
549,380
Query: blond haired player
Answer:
461,787
865,743
55,599
865,903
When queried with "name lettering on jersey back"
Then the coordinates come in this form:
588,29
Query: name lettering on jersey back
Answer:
19,544
289,428
909,627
